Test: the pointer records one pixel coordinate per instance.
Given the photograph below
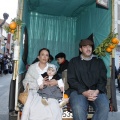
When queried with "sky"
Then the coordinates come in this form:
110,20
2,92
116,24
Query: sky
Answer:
9,7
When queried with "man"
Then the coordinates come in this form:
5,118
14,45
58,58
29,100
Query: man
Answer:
1,65
87,78
63,63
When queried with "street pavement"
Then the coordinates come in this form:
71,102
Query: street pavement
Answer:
116,115
4,95
4,99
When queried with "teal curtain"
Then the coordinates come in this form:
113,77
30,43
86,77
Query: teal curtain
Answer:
52,32
25,20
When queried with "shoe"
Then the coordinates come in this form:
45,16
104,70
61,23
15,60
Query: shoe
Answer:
63,103
44,101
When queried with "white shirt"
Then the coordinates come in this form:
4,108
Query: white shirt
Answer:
40,71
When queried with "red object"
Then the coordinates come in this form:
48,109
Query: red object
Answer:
27,66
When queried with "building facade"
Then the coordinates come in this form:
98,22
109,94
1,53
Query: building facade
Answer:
5,40
117,30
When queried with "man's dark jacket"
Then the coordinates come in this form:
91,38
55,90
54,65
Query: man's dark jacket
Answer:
84,75
63,66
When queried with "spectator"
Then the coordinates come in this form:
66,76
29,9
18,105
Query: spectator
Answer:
63,63
118,79
5,61
1,65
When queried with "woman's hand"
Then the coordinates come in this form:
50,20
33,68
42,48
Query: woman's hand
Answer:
45,81
53,82
62,89
41,86
45,78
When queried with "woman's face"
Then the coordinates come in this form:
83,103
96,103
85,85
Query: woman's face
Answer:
43,56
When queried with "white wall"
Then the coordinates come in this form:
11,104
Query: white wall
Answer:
117,57
117,30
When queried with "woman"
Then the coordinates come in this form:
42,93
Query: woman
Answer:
33,108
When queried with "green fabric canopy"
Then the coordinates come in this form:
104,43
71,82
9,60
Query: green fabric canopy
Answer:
59,25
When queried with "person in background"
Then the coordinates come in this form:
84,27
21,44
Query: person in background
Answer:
63,63
118,79
116,73
10,67
87,78
33,108
6,62
1,65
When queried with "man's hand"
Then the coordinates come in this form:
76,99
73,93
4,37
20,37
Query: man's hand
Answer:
53,82
91,94
87,93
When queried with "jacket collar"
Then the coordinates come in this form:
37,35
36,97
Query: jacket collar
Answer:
87,59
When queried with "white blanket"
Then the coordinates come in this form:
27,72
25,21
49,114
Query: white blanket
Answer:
35,110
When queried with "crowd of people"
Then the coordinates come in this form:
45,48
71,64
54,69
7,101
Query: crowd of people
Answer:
117,77
6,65
87,79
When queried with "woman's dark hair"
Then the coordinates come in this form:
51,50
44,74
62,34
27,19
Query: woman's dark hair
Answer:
51,58
42,50
36,59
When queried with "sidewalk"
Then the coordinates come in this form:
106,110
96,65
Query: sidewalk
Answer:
117,97
116,115
4,95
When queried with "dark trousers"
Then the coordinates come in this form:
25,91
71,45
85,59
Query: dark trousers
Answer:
118,82
79,105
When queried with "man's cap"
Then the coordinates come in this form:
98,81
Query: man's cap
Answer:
85,42
60,55
52,66
91,37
